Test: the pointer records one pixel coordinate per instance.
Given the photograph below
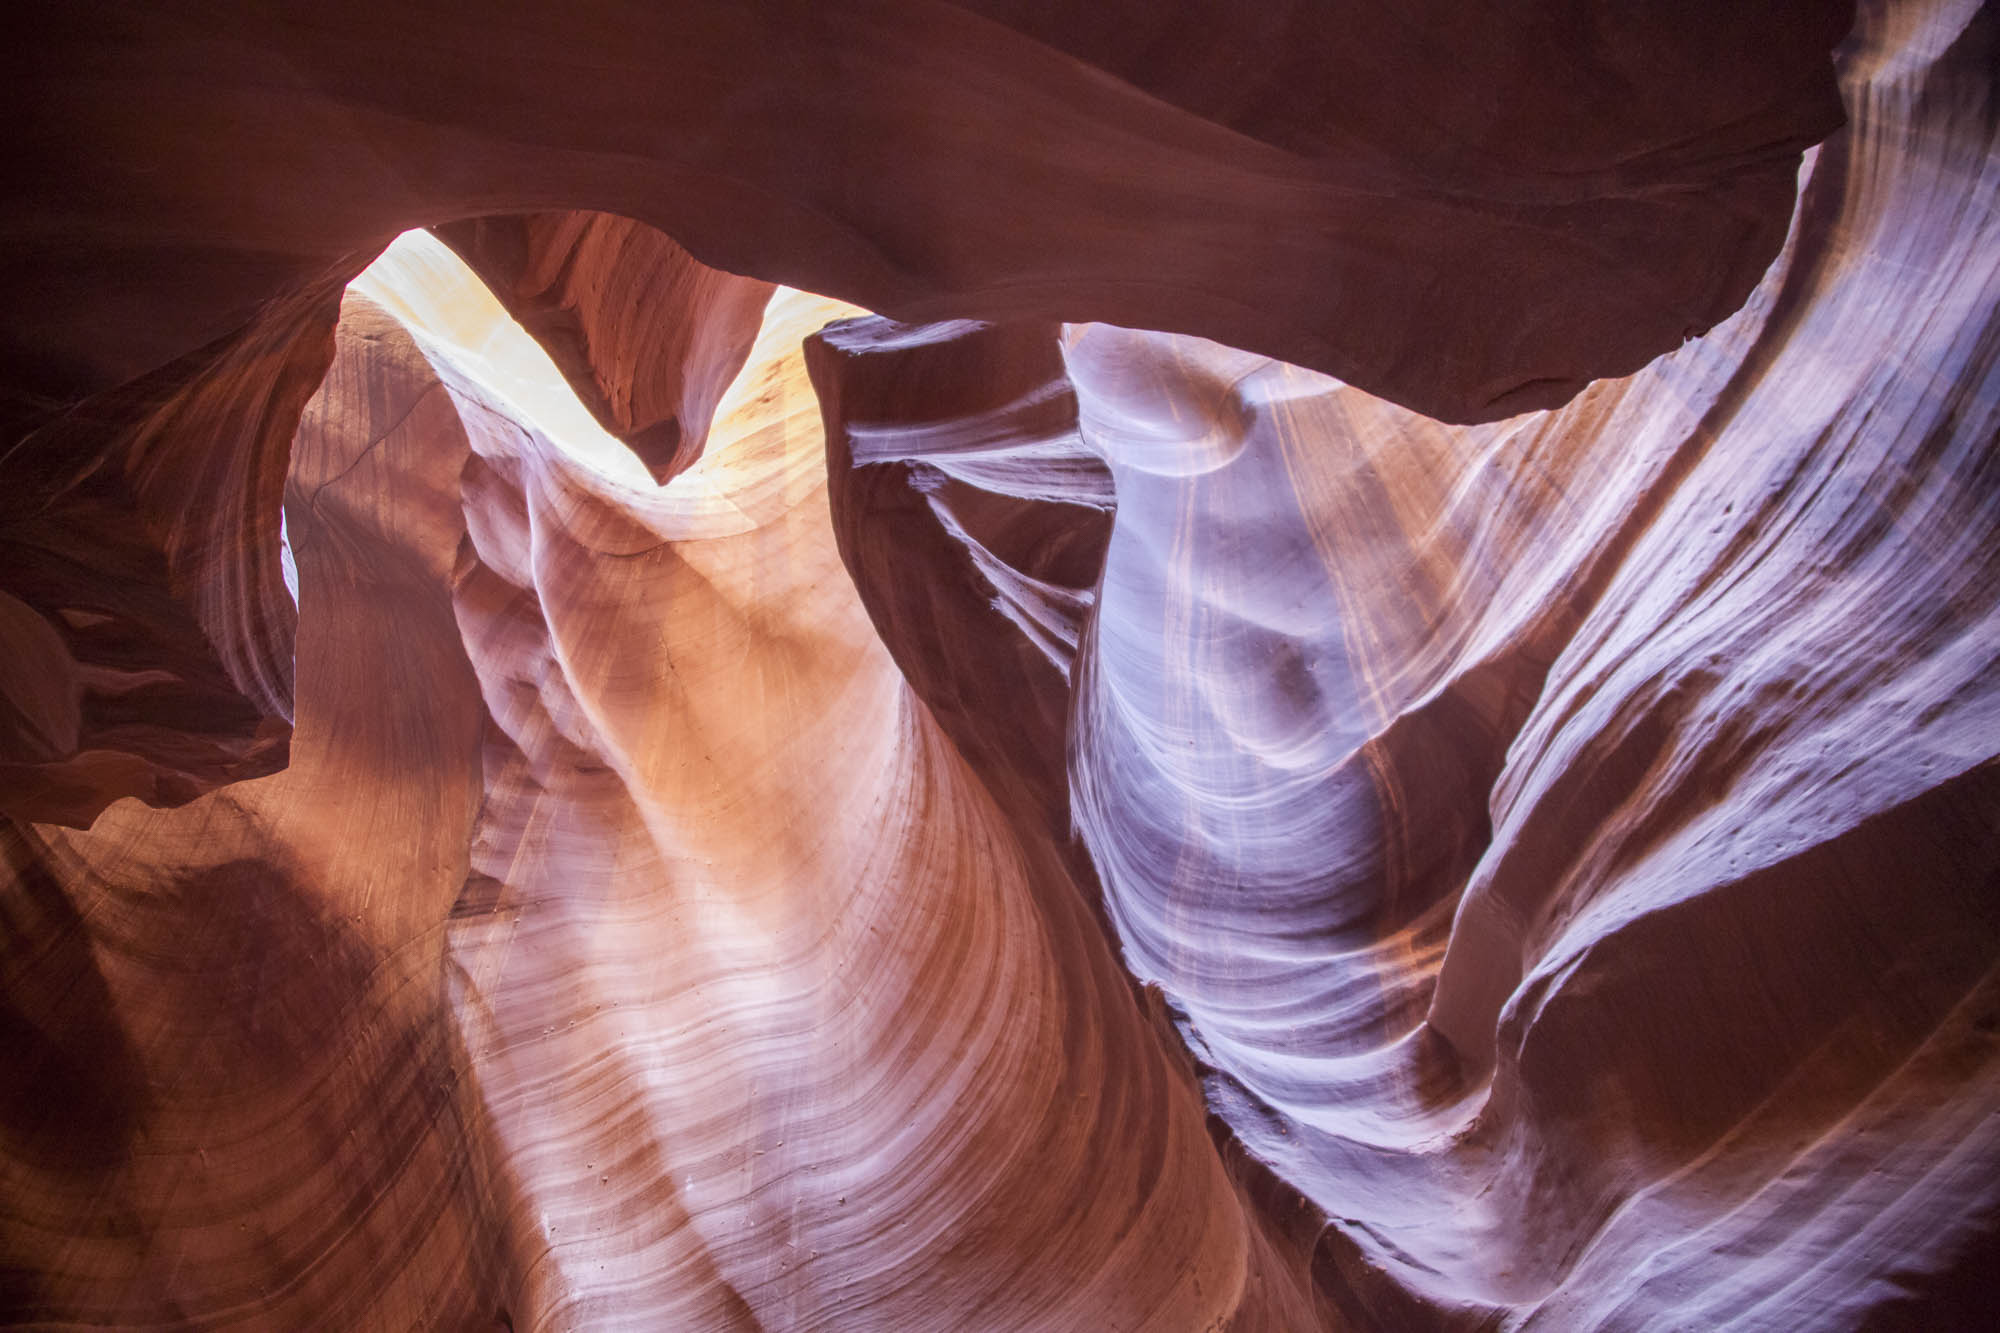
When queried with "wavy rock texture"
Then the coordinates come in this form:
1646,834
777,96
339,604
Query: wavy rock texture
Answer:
646,337
1407,200
146,594
650,959
194,182
953,449
149,630
1574,842
788,897
236,1094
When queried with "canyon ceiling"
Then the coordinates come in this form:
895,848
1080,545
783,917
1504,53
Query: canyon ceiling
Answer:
1367,700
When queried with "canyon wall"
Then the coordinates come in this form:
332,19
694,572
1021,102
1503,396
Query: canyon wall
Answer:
1042,807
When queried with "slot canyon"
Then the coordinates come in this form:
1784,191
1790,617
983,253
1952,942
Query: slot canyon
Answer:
1000,665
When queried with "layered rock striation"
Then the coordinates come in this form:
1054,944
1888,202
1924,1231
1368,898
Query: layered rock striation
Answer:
646,336
1031,813
1409,201
189,174
1539,829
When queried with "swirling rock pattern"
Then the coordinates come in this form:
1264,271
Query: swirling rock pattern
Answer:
690,959
194,183
1269,183
647,337
149,628
1606,937
954,449
1035,825
236,1098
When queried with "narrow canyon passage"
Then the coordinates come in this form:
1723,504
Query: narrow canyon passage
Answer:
552,785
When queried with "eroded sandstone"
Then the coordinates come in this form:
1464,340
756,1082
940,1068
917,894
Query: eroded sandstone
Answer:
1034,824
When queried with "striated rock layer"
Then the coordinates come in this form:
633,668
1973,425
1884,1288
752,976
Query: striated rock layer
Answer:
195,182
1033,825
1572,845
149,631
647,337
1408,200
655,952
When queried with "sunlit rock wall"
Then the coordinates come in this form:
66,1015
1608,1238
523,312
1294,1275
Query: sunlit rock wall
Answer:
1571,844
1034,825
193,184
635,937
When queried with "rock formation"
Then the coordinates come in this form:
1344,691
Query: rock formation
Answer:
1039,808
1409,201
651,371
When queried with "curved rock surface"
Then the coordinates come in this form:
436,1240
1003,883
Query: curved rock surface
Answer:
149,631
1572,844
1408,201
654,951
1034,825
646,337
197,179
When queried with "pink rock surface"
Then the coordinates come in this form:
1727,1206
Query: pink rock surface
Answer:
1408,200
149,631
1540,828
1034,824
647,337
